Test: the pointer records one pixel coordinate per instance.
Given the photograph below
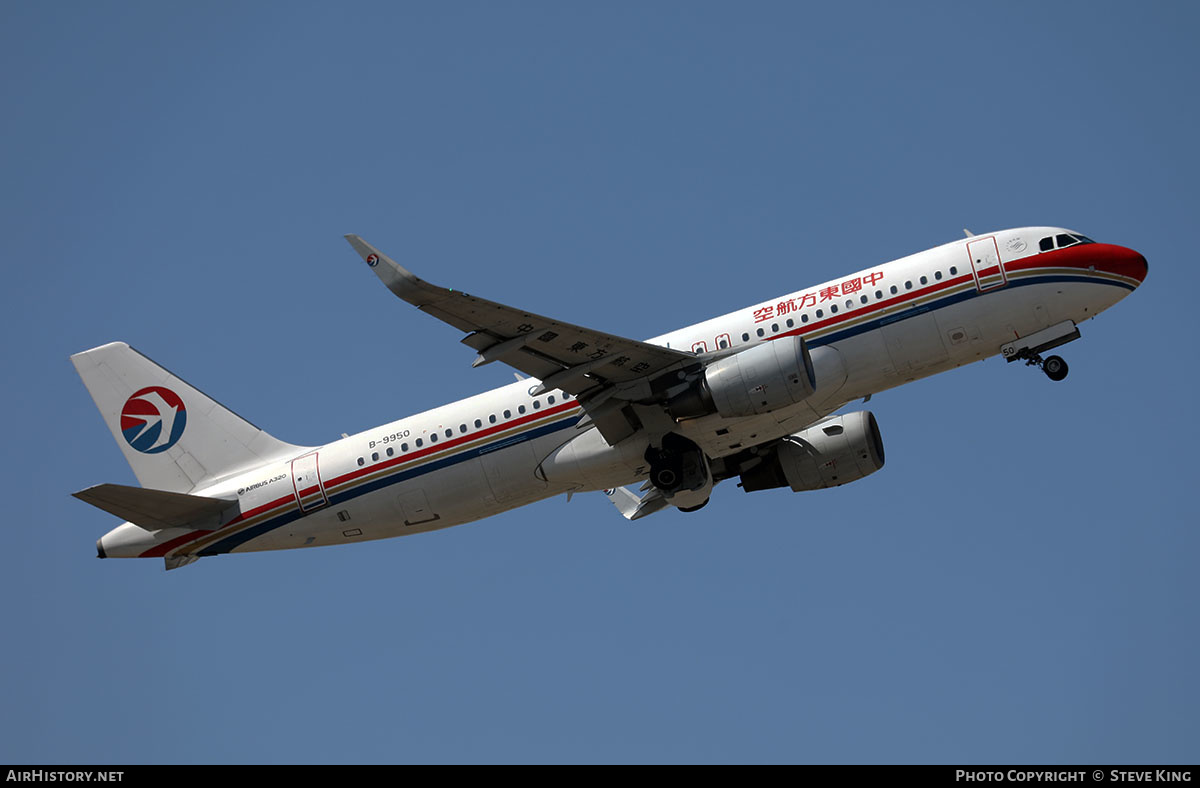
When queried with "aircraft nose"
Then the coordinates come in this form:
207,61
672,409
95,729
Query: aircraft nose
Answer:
1124,262
1143,269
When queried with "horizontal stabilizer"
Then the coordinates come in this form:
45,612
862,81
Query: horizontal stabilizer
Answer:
177,561
156,509
633,507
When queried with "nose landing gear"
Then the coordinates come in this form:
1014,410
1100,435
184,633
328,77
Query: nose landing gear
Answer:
1028,348
1055,367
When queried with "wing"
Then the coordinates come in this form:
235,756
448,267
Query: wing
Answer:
605,372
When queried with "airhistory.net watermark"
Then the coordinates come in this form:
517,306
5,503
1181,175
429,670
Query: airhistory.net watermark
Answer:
56,776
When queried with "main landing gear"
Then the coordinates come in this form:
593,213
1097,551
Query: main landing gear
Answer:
679,469
673,464
1055,367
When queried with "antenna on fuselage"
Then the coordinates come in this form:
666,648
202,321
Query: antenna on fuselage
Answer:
968,233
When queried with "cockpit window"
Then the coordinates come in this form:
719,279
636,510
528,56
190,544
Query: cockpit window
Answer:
1063,240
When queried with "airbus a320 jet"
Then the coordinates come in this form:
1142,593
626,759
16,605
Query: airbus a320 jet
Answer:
753,395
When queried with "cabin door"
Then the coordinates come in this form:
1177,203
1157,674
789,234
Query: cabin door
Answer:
986,263
306,481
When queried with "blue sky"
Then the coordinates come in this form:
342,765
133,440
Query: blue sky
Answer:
1017,585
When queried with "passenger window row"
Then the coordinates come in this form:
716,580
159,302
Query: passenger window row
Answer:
849,304
463,429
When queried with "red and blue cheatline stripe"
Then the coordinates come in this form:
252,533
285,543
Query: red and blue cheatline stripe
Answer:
361,481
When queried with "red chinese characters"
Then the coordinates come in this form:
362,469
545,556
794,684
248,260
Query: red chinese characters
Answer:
800,303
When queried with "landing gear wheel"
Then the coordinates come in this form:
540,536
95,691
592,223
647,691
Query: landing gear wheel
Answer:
673,464
664,478
1055,368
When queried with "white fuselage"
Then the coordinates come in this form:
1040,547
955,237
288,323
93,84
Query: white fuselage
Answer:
869,331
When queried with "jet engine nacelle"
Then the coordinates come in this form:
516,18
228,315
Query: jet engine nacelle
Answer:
838,450
761,379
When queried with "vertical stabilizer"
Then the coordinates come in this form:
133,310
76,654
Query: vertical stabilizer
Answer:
175,437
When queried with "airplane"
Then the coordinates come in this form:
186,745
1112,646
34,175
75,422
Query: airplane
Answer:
752,395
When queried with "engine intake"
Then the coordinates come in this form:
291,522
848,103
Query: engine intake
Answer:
836,451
